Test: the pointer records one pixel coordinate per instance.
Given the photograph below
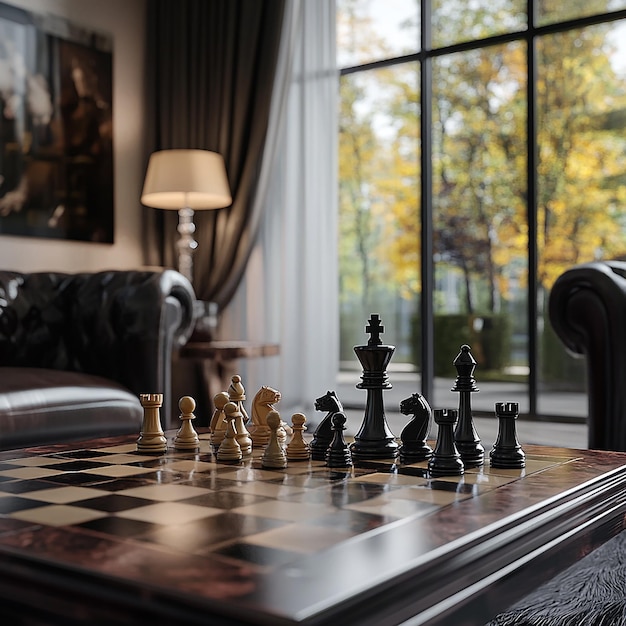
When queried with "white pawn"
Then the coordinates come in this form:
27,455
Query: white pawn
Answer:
241,432
218,425
186,437
229,449
298,449
274,454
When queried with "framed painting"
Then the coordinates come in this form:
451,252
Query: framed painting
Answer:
56,129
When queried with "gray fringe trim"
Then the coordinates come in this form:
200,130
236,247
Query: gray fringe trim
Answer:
591,592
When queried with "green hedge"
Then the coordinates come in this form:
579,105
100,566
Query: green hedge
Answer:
559,369
489,337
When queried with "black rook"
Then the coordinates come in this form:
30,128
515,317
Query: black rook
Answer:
507,452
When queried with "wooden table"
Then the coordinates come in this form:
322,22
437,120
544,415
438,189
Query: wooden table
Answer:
94,532
219,359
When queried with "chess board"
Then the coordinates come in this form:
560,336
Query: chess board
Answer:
181,538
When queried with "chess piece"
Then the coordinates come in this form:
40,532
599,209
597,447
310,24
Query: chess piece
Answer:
298,449
237,394
465,435
186,437
338,453
218,423
151,438
262,404
507,452
274,456
446,459
229,449
414,447
281,433
374,440
231,411
323,434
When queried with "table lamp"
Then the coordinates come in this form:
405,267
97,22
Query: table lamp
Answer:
186,181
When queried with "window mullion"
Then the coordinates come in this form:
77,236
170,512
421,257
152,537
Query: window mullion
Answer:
427,265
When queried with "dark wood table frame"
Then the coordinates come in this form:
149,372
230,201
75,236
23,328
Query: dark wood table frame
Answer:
459,565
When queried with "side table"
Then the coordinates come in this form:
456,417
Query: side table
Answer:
220,359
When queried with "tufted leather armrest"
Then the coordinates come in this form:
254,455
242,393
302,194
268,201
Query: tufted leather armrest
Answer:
587,309
121,325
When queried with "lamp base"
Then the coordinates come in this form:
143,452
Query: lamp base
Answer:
186,244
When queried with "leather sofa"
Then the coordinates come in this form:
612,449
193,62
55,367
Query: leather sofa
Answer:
76,350
587,309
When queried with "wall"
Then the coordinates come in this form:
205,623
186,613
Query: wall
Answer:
124,21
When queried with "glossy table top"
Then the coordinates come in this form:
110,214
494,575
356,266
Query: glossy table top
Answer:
192,540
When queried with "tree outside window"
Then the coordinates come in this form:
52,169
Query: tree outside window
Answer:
499,192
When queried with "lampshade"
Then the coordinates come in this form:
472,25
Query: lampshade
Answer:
195,179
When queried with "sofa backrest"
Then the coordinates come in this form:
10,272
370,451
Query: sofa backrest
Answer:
122,325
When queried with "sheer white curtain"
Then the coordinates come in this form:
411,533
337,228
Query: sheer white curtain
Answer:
289,295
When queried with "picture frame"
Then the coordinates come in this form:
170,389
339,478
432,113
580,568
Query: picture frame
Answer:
56,129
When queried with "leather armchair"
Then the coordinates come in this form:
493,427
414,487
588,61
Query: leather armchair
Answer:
587,309
76,350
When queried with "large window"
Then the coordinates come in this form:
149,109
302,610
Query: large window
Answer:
482,152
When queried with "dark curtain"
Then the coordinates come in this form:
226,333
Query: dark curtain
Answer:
210,70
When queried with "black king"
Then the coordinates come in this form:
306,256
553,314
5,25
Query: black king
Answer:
374,439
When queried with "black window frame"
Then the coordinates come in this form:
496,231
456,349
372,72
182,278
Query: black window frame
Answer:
424,57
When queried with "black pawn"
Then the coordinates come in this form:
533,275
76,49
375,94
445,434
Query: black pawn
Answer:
507,452
414,446
338,453
446,460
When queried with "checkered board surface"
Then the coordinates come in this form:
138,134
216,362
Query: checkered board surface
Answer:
188,503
